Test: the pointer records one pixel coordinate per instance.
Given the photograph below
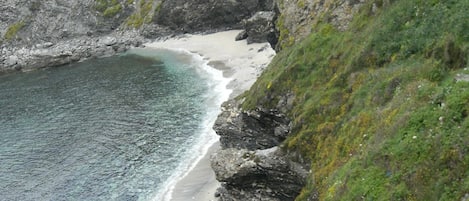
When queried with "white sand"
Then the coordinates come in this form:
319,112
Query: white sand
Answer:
239,61
236,59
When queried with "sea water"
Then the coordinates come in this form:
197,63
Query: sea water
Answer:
125,127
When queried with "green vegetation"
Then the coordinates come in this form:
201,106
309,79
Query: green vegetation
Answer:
378,110
144,14
109,8
13,30
285,39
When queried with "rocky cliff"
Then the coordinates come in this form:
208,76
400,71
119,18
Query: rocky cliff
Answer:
255,163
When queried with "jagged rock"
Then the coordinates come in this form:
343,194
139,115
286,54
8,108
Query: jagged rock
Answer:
260,28
257,175
242,35
250,130
208,15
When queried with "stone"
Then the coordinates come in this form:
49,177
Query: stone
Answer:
185,16
11,60
250,129
44,45
241,36
257,175
260,28
109,41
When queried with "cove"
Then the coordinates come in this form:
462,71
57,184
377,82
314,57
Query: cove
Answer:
116,128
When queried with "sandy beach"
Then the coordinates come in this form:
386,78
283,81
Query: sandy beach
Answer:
239,61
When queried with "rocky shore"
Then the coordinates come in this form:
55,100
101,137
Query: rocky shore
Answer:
251,165
50,54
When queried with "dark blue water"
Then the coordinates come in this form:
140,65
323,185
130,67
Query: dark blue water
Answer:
114,128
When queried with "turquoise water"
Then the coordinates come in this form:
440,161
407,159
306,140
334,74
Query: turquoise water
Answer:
117,128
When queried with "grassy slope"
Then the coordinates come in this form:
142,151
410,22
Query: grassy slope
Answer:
377,108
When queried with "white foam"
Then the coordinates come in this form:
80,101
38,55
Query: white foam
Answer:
207,136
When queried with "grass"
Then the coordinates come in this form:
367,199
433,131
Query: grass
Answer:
377,110
109,8
143,15
13,29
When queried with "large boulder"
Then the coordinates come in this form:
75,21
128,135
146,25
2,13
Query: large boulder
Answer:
258,129
257,175
260,28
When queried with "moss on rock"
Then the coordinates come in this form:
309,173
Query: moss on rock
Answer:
13,29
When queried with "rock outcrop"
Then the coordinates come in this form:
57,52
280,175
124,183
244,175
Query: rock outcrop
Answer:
261,28
50,54
250,130
36,34
34,22
250,164
206,15
257,175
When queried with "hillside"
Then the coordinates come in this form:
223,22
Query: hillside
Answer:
379,110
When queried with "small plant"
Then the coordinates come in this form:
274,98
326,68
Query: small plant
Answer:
137,19
13,30
109,8
112,11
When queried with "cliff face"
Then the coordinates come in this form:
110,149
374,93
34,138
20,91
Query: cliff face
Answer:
203,15
298,17
53,21
37,34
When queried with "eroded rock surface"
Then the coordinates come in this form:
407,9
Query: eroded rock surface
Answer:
257,175
203,15
50,54
261,28
259,129
250,164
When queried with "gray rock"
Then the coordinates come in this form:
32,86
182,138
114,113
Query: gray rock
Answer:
259,129
108,41
208,15
260,28
242,35
67,51
11,60
257,175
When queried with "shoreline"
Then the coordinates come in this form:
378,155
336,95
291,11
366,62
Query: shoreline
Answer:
238,61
